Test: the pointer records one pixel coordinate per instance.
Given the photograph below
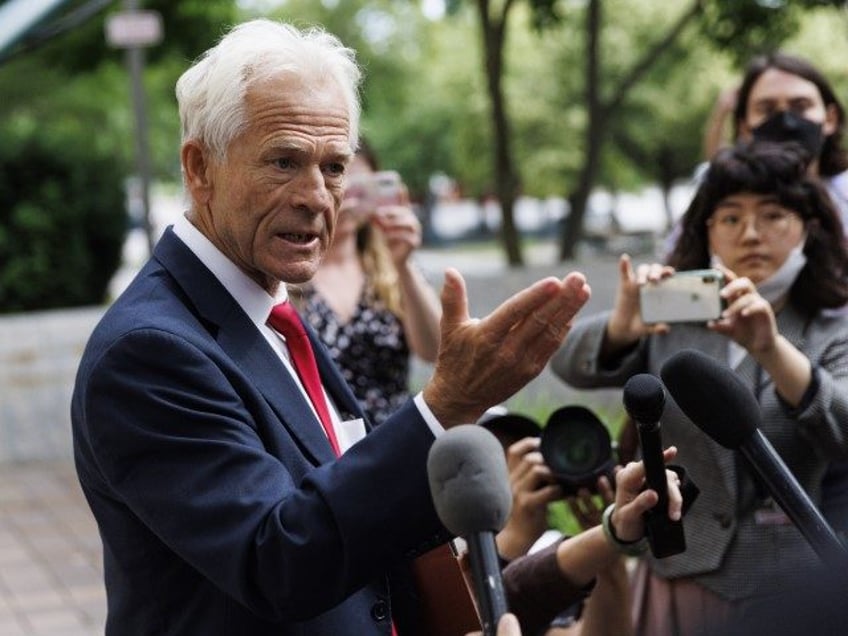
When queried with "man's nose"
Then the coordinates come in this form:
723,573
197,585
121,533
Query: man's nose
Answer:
311,190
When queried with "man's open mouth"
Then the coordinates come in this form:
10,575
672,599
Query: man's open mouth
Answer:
298,238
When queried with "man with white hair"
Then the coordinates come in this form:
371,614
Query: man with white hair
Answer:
223,505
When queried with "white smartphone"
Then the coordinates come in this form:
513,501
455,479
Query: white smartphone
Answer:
375,189
688,296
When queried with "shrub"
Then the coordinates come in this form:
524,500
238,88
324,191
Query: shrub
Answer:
62,222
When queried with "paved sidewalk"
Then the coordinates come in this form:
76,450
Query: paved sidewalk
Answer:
50,560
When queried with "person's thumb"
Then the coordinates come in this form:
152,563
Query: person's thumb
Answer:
508,626
454,299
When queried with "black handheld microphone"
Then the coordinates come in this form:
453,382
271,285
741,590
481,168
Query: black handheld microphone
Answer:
644,400
469,483
716,400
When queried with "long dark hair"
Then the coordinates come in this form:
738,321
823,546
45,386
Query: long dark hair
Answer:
779,170
833,158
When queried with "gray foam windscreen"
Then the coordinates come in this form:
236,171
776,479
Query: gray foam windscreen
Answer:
469,480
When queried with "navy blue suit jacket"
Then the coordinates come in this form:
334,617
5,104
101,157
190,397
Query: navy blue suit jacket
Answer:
221,507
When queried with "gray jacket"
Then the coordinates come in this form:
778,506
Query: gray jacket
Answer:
728,551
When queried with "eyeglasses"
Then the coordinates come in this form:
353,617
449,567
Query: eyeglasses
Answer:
773,223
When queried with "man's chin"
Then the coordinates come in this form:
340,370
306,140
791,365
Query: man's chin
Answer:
297,275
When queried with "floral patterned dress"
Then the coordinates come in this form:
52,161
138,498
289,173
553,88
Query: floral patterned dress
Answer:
370,350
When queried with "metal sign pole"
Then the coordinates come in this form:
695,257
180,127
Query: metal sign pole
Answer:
134,30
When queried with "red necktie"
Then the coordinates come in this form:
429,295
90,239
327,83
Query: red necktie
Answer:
284,318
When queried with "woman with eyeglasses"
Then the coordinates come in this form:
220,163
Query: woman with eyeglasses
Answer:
771,228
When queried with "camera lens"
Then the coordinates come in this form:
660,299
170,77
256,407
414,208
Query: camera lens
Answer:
576,446
509,427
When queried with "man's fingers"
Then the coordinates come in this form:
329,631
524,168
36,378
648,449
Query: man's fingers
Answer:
521,306
576,292
454,299
553,318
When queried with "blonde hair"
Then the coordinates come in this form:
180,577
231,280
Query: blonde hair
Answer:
380,272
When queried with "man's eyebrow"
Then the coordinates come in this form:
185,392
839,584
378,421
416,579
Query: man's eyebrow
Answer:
343,156
292,146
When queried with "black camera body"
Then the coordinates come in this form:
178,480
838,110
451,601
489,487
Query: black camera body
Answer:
575,444
577,448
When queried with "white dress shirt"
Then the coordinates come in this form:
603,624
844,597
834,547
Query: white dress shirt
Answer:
257,304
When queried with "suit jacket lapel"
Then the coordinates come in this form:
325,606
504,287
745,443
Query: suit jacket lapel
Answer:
243,343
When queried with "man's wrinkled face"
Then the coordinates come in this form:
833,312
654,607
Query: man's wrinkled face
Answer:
273,202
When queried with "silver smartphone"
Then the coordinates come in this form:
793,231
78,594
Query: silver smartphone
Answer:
688,296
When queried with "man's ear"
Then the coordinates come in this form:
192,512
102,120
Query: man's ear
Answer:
195,158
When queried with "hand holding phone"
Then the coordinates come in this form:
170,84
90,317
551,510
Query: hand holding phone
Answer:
688,296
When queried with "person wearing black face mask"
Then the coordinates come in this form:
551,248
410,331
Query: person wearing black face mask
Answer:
785,98
786,126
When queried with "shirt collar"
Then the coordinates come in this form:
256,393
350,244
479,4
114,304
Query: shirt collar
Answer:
255,301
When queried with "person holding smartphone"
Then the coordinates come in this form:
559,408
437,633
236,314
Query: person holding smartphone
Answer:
368,302
783,98
769,226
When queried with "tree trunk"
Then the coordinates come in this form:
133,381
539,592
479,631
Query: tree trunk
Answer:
600,112
573,228
506,185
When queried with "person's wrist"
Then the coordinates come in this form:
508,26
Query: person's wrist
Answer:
619,334
404,266
630,548
509,545
448,411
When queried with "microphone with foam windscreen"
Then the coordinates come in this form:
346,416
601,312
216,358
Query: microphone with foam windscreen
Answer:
469,483
644,401
719,403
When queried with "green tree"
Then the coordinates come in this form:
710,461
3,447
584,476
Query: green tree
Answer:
66,128
61,221
72,37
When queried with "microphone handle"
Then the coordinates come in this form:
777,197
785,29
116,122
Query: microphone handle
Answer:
652,457
486,574
665,537
794,501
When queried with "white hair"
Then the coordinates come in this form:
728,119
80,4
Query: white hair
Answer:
211,92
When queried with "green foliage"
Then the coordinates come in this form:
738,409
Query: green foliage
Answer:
62,221
744,28
189,27
747,27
